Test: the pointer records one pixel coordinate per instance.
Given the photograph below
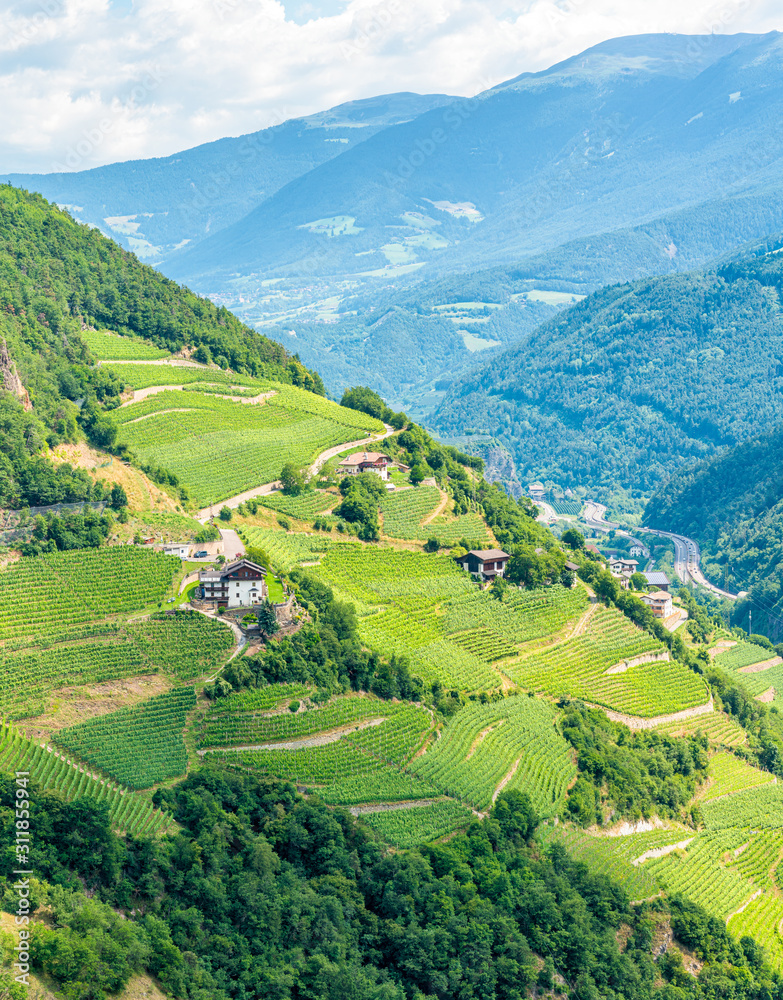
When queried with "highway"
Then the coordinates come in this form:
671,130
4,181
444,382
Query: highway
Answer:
687,557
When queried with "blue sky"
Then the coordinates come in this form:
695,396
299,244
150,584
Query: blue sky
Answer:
87,82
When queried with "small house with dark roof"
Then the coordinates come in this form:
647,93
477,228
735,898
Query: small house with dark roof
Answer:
366,461
658,580
238,584
484,563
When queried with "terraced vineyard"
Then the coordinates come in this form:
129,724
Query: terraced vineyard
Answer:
245,727
521,616
761,919
137,746
218,448
410,827
601,856
288,550
183,644
697,873
128,811
60,589
372,735
383,786
404,512
742,655
304,507
434,614
260,699
110,347
578,668
513,740
718,727
729,775
570,508
146,376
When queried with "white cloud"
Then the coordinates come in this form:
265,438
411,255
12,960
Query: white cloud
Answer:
83,82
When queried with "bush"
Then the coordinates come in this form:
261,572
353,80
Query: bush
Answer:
431,545
294,706
284,523
225,513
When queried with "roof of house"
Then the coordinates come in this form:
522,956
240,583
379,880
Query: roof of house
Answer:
659,595
218,574
657,579
571,566
360,457
536,486
486,554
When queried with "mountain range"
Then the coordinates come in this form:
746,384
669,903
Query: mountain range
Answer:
347,235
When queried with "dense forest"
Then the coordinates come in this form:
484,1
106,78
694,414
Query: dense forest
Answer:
733,505
58,277
263,894
637,380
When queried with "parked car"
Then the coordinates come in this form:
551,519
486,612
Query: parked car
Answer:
203,554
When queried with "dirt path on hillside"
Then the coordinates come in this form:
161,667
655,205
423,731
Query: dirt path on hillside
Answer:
266,488
440,509
581,625
636,722
154,390
321,740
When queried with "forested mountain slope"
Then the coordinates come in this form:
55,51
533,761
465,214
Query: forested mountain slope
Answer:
637,380
57,278
733,505
157,207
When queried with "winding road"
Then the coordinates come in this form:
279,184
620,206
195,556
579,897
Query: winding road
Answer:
266,488
687,556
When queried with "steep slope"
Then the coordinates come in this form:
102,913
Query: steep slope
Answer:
156,207
733,505
637,380
58,279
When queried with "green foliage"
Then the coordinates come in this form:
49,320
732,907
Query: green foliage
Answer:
138,746
629,775
267,620
702,344
69,531
292,480
732,505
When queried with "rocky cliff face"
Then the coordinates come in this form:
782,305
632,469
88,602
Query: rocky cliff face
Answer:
10,376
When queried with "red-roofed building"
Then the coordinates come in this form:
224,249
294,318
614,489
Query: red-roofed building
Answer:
366,461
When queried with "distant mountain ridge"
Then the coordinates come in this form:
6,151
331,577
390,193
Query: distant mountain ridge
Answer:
644,155
638,380
154,207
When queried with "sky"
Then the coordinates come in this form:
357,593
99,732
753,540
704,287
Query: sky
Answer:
89,82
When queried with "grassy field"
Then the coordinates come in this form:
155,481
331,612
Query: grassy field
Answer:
218,448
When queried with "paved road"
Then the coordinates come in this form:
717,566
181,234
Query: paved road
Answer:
687,556
266,488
